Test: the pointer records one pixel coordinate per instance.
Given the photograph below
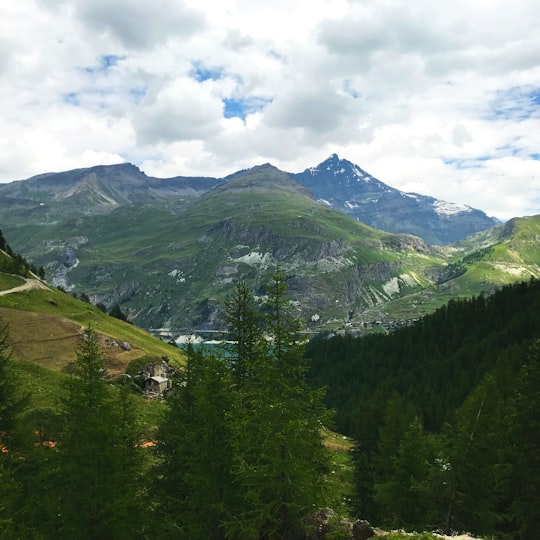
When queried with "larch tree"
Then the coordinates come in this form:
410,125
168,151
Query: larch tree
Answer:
244,323
278,455
523,424
99,460
194,486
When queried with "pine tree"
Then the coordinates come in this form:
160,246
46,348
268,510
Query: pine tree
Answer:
3,243
278,453
194,487
99,462
523,424
245,333
38,478
117,313
469,460
12,402
398,415
404,493
362,502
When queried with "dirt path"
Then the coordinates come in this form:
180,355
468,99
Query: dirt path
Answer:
28,286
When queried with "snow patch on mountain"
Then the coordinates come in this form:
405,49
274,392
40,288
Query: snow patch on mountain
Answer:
450,209
360,173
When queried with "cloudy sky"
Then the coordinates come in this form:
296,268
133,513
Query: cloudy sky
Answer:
438,98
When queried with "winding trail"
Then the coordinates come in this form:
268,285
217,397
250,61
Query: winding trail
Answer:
28,286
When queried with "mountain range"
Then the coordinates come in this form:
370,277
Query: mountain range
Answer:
169,250
336,183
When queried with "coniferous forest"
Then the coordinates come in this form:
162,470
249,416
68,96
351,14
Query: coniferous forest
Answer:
238,452
445,415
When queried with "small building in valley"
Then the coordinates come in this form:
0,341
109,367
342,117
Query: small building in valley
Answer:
156,385
155,377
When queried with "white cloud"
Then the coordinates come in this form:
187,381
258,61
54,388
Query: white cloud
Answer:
443,99
180,111
140,23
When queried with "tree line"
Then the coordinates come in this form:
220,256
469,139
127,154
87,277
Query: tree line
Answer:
237,454
15,263
446,416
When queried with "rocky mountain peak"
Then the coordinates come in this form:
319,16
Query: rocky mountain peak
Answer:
334,172
344,186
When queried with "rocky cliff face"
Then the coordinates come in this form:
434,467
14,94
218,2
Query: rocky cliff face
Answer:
345,187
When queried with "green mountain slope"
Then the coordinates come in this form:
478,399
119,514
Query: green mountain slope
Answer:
482,263
45,324
174,266
170,262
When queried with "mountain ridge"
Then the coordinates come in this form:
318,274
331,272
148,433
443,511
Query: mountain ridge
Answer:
336,183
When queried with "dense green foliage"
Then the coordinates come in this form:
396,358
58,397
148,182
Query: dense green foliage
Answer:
80,477
98,452
433,364
237,454
241,446
278,456
11,407
445,415
194,483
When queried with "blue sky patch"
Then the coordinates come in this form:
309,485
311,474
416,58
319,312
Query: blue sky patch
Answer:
72,98
202,73
105,62
137,94
349,89
515,149
240,108
467,163
535,96
517,103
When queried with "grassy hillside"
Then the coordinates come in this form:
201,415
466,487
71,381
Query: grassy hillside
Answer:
8,281
480,264
45,325
44,328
